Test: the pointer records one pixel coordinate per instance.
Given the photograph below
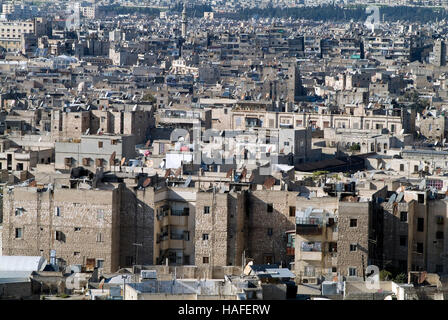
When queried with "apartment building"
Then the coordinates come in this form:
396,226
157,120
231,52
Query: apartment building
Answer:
74,124
11,32
198,228
94,151
71,225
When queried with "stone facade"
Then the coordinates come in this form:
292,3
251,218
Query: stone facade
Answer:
354,223
219,229
267,230
77,224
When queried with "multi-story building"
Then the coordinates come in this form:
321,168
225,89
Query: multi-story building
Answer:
94,151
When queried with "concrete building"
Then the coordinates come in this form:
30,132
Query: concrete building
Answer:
94,151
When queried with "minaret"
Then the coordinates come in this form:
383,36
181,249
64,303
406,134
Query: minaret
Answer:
184,22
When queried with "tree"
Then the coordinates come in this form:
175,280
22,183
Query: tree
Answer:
355,147
385,275
149,97
401,278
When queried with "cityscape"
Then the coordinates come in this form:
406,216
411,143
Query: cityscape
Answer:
224,150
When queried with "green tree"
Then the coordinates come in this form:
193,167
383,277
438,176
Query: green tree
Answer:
385,275
401,278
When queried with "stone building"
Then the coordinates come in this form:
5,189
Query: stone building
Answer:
271,213
81,226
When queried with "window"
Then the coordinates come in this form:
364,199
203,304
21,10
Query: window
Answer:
77,229
403,241
270,207
76,253
353,247
100,263
420,224
403,216
57,211
401,167
205,259
205,236
19,233
99,237
333,247
19,211
206,210
421,198
439,235
352,272
270,231
59,236
100,144
353,223
292,211
419,247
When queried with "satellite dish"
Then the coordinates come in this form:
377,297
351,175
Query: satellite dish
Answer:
400,197
122,161
388,166
392,199
401,131
187,183
308,211
422,185
87,131
146,182
134,108
99,130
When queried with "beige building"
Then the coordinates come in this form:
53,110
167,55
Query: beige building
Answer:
81,226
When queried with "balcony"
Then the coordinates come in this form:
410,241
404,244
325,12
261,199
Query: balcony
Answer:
309,226
290,251
311,255
178,220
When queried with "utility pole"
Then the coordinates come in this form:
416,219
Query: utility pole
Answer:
124,277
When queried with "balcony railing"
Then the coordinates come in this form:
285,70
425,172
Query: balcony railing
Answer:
182,212
177,236
309,221
309,226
